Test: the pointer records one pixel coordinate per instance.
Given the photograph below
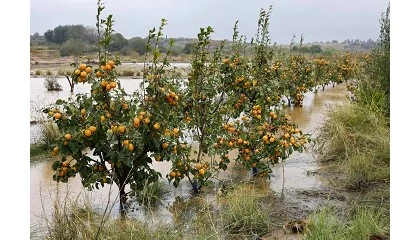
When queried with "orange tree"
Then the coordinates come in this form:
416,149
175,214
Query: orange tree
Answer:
111,137
321,73
257,126
204,109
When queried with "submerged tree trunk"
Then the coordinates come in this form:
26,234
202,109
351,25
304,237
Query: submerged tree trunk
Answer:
71,83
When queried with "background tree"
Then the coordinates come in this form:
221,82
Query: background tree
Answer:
137,44
118,42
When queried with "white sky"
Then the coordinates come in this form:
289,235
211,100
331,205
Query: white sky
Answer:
317,20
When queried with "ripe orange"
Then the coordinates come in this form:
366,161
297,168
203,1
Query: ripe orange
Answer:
136,121
265,138
108,67
55,150
67,136
176,130
82,66
57,115
121,129
130,147
125,142
272,139
286,135
88,69
102,118
83,74
201,171
146,120
172,174
88,133
240,141
113,84
156,126
83,111
98,74
77,72
108,87
104,83
65,164
165,145
111,63
198,166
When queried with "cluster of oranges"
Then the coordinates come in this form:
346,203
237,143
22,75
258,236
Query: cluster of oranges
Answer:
83,72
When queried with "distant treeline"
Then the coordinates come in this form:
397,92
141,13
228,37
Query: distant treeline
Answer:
78,39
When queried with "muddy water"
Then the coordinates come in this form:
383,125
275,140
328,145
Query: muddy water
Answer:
294,175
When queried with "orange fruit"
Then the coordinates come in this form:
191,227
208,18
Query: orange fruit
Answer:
125,142
240,141
146,120
172,174
178,174
108,87
88,133
108,67
113,84
272,139
176,131
121,129
198,166
82,66
57,115
98,74
77,72
136,121
102,118
88,69
83,111
265,138
165,145
286,135
55,150
201,171
83,74
156,126
65,164
130,147
67,136
104,83
92,129
111,63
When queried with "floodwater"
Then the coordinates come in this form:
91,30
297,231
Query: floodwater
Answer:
293,175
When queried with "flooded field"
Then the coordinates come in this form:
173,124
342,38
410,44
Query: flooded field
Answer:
295,181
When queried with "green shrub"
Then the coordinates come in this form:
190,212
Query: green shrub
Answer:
51,83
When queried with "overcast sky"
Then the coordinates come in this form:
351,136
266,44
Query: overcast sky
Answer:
317,20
